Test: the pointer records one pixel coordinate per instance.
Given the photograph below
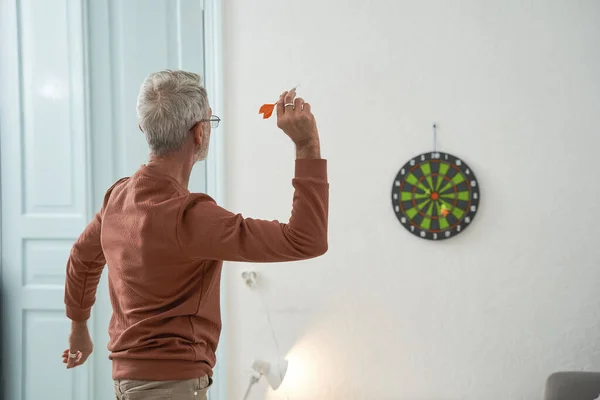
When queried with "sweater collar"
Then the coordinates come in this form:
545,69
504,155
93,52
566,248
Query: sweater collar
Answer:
149,171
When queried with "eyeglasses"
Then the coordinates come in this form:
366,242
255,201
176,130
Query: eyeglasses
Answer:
214,121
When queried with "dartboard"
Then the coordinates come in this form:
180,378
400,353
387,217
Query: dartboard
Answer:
435,196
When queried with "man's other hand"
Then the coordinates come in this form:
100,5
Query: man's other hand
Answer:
80,345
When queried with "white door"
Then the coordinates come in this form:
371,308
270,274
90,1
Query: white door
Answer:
69,76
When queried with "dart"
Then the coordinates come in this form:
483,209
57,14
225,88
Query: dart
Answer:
267,109
445,211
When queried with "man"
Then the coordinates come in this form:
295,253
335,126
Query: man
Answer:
165,246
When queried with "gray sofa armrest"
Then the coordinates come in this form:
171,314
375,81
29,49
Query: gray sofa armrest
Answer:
573,386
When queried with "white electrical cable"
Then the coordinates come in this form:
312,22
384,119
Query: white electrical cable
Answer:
250,278
264,303
253,381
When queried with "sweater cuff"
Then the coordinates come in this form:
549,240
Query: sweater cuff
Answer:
78,314
312,168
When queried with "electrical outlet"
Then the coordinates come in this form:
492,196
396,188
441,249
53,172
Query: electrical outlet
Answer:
250,278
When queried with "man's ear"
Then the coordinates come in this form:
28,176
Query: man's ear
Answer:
198,132
141,130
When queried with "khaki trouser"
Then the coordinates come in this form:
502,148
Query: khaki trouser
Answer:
193,389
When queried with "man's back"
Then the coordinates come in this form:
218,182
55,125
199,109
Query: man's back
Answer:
165,304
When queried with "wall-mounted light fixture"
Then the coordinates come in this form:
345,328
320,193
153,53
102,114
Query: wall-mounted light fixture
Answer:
273,373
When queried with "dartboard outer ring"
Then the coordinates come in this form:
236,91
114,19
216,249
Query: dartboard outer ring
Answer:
447,186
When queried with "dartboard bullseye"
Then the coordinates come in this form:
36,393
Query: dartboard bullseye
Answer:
435,196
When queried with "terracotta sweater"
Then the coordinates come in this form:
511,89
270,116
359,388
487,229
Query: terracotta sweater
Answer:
164,248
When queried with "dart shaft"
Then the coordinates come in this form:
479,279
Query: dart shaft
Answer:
294,88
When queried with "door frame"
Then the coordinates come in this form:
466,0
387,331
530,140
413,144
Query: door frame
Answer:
2,299
215,163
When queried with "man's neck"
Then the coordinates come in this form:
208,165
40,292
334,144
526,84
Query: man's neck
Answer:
177,166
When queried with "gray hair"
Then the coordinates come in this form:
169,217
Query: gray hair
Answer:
168,106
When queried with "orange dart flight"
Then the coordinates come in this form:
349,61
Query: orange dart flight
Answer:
267,109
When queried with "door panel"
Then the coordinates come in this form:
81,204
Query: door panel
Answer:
45,190
43,332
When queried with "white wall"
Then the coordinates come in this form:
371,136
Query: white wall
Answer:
515,88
